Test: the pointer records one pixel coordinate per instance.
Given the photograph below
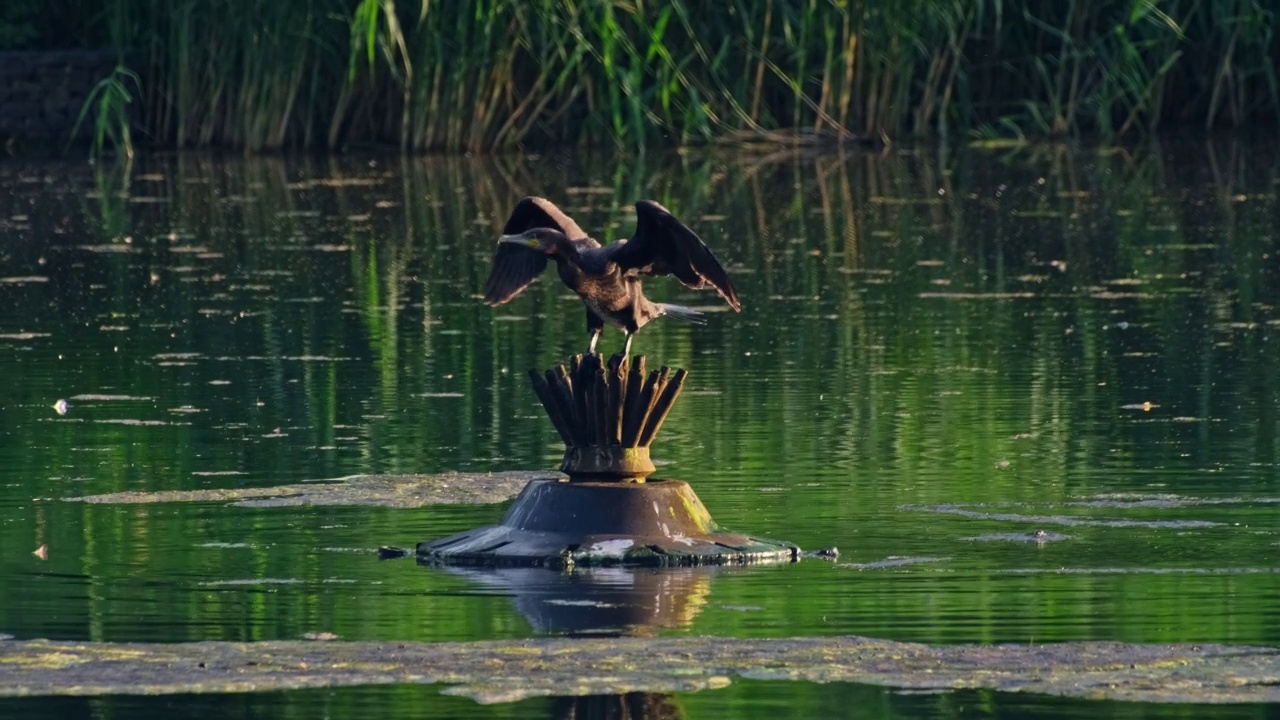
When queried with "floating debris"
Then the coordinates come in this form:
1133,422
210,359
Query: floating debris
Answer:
1143,406
139,423
1040,537
1140,571
830,553
249,582
41,552
1164,500
1068,520
977,296
388,552
893,561
61,407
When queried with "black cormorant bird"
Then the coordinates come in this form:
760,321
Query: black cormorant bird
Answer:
606,278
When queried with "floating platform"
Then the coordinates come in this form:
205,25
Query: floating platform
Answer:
563,523
608,512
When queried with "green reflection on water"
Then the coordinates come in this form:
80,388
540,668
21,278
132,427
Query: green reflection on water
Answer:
937,357
743,699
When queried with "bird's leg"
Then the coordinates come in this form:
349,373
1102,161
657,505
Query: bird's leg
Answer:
595,326
626,349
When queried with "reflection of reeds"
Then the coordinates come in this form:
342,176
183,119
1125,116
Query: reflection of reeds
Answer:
506,72
908,278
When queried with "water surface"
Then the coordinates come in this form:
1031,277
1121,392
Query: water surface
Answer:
1031,395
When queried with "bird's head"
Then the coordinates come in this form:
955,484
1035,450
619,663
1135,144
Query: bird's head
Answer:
545,239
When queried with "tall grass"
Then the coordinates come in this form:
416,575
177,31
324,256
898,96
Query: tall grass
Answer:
491,74
108,103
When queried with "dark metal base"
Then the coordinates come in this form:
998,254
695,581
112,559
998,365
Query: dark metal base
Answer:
611,463
561,524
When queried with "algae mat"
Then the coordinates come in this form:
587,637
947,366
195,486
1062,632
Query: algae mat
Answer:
502,671
402,491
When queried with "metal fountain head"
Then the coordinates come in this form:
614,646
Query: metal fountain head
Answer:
607,415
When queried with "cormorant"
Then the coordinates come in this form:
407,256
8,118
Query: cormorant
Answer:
606,278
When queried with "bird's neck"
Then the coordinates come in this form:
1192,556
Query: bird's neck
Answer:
567,251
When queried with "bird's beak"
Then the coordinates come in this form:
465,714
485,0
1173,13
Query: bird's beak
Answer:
520,239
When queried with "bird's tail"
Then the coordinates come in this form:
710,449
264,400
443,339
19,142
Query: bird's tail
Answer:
680,312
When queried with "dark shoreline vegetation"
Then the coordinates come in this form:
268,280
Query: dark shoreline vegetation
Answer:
512,73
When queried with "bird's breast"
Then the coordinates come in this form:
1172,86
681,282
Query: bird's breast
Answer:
618,301
611,303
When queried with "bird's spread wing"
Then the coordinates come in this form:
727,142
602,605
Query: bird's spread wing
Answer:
535,212
514,267
663,245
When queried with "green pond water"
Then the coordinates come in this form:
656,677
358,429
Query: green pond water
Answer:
1032,395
